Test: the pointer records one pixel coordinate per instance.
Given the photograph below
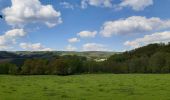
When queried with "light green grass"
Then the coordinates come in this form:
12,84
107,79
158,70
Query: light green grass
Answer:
86,87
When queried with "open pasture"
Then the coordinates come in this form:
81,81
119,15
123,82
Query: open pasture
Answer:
86,87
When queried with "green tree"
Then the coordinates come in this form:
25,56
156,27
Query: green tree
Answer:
4,68
157,62
8,68
13,69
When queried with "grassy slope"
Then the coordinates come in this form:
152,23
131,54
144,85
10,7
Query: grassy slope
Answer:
88,54
86,87
91,54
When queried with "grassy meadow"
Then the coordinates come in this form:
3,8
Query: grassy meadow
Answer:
86,87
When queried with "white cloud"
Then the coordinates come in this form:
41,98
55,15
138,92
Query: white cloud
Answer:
86,34
94,47
147,39
34,47
70,48
134,24
10,37
136,5
31,11
73,40
67,5
97,3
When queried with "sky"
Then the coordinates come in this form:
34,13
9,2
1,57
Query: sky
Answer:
83,25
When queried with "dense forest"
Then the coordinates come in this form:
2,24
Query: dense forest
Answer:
153,58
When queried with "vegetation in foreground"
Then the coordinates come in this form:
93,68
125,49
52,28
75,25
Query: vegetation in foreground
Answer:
154,58
86,87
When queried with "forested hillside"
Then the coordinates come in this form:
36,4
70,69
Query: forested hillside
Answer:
153,58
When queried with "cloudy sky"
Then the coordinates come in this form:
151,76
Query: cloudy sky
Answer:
83,25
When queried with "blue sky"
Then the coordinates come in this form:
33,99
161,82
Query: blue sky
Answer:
83,25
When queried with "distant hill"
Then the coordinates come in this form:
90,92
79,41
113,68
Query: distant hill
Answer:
152,58
5,54
50,54
90,54
149,50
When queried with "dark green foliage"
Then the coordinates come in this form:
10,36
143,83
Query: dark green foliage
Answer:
34,66
13,69
154,58
8,68
64,65
157,62
4,67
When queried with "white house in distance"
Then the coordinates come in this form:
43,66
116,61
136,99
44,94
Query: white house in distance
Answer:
100,60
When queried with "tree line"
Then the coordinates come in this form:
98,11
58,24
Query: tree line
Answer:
153,58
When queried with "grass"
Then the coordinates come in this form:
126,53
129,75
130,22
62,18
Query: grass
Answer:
86,87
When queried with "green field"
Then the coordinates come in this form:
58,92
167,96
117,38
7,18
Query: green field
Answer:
86,87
